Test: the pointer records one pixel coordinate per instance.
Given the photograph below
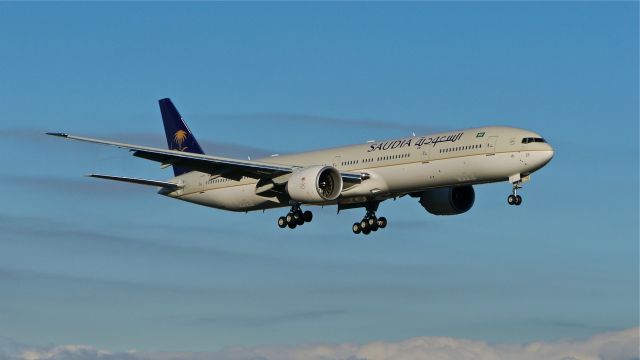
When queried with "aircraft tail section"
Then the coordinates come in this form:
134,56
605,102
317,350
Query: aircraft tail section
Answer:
179,137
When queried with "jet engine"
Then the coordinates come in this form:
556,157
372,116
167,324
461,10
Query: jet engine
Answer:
315,184
448,200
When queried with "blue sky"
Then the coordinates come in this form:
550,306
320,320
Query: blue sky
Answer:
116,266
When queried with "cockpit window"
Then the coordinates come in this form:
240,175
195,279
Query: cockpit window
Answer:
532,139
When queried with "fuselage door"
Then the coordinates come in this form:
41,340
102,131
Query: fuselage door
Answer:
490,147
337,161
425,154
202,181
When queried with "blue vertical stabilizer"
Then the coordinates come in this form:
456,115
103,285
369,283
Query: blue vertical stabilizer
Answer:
179,137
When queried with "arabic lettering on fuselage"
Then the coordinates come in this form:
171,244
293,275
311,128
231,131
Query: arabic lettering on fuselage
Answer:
419,142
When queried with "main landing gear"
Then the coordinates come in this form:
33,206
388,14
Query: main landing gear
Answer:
514,198
295,217
369,223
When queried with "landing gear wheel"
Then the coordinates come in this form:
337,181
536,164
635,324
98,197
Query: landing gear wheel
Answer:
364,224
511,200
518,200
307,216
290,219
370,222
295,217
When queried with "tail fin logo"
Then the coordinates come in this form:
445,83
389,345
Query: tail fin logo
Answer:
179,138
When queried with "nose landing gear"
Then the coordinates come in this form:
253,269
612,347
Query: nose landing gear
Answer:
514,198
295,217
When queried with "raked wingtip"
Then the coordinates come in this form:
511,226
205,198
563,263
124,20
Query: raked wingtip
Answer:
59,134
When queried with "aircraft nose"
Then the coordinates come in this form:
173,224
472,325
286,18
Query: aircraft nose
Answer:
548,154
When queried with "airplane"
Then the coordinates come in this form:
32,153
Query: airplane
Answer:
439,170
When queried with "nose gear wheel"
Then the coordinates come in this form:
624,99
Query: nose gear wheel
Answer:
514,198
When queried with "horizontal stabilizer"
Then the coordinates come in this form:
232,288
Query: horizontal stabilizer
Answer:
162,184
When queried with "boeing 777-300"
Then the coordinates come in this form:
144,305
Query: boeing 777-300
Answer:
438,169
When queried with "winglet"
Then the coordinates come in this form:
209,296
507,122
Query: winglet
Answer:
57,134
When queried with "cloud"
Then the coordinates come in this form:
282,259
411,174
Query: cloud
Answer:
256,321
77,185
224,149
64,352
138,138
80,238
156,139
322,121
210,147
20,134
618,345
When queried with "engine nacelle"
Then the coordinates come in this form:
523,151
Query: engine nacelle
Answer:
315,184
448,200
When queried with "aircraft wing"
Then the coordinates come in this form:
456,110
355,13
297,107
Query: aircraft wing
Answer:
230,168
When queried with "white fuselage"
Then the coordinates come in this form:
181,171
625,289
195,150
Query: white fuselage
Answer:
395,167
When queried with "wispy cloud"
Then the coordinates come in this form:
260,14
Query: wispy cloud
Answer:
209,146
76,185
618,345
80,238
221,148
138,138
17,351
322,121
20,134
270,320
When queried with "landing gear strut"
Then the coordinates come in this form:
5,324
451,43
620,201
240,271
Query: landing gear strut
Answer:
370,222
514,198
295,217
